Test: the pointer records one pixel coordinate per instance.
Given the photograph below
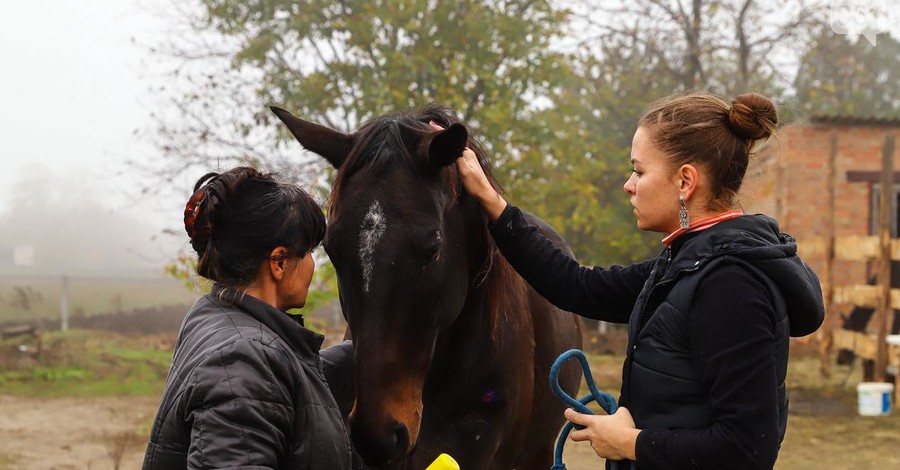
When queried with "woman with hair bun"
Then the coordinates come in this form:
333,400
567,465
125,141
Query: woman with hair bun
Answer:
709,319
248,386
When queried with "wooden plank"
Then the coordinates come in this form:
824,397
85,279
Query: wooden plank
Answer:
811,246
863,296
856,248
864,345
895,249
883,311
17,330
827,279
848,247
862,176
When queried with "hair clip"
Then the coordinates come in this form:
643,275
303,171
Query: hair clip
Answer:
192,209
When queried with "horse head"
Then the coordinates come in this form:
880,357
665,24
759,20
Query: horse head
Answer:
400,238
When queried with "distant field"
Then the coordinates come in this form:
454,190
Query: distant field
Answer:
29,299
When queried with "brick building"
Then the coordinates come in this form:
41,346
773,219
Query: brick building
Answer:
788,179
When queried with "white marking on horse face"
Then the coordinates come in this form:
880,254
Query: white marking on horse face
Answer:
374,225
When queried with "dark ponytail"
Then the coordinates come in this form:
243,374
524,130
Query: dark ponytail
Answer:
236,218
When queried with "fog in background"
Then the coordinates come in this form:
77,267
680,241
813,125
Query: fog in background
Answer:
56,224
74,90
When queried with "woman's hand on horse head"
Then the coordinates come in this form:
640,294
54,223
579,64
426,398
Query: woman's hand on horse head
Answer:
476,183
612,437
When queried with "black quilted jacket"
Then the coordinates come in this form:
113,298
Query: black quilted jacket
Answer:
248,388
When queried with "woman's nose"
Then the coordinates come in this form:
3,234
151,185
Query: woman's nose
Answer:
628,186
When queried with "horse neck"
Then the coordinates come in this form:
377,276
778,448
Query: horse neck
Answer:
496,295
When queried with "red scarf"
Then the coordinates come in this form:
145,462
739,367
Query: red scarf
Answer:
702,224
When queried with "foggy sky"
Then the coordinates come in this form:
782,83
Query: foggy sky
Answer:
74,89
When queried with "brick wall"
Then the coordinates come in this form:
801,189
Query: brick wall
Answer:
788,181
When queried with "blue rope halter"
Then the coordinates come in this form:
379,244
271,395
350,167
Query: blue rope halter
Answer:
605,400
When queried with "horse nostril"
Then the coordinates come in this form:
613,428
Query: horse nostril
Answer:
401,439
381,449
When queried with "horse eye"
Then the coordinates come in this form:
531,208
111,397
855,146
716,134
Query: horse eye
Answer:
433,252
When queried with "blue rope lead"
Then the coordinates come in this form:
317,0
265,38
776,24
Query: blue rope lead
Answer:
606,401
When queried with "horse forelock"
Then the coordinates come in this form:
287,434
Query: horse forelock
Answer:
380,144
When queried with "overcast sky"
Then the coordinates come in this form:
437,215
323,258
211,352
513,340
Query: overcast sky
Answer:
74,89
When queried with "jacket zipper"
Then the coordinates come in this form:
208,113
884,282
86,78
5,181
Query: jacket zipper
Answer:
664,281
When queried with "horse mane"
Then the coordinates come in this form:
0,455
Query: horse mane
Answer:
380,143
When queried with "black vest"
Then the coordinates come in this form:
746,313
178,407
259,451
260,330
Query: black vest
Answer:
660,383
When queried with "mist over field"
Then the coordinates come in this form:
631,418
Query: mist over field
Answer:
56,224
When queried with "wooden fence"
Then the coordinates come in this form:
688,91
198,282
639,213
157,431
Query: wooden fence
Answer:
881,250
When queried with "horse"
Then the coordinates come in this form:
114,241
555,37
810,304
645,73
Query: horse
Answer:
452,349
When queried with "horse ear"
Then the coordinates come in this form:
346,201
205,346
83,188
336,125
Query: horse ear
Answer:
332,145
447,145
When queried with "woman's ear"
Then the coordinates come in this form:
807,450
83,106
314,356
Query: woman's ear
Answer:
689,177
276,262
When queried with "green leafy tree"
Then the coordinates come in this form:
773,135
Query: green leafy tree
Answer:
341,63
840,76
581,146
623,57
554,93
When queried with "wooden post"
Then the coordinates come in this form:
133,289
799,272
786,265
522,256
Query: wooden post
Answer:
826,335
781,192
64,305
884,310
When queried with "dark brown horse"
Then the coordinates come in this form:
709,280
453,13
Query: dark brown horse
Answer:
452,349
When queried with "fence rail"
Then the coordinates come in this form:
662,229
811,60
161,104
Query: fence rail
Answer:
849,248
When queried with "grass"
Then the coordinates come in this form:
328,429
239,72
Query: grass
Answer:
84,363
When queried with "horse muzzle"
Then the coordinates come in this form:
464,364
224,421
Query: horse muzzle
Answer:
381,445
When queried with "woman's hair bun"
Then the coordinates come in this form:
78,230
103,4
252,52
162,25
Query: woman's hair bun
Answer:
235,219
752,116
211,192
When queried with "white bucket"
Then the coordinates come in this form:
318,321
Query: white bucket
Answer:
875,398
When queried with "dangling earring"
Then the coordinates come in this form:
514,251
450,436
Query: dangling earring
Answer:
683,220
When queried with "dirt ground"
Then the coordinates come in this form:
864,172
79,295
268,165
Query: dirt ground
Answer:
74,433
824,430
85,433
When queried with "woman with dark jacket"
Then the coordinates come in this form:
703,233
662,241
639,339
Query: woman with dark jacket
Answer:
248,387
709,319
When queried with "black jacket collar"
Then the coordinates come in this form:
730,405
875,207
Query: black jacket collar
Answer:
757,240
305,343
